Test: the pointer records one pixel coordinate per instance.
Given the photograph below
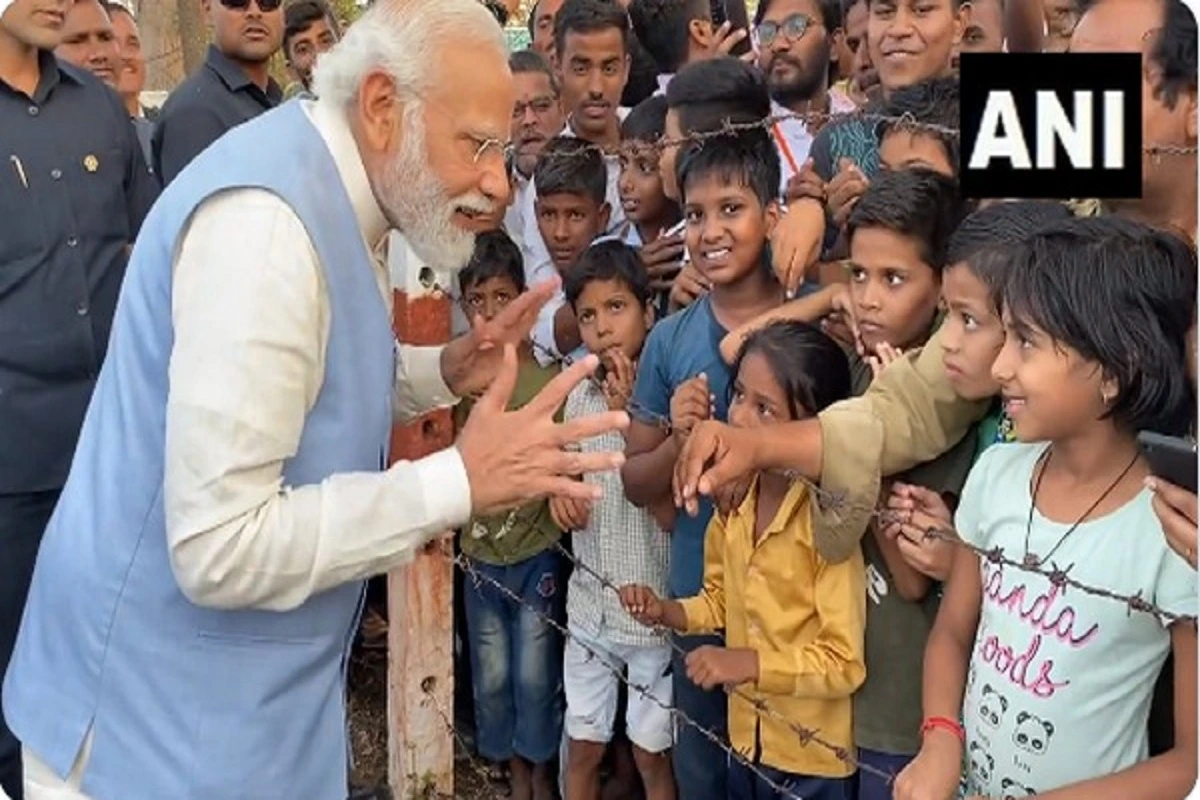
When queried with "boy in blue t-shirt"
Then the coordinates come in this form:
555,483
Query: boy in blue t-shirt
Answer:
728,185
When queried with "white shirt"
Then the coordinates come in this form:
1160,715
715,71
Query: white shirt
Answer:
251,323
539,267
793,139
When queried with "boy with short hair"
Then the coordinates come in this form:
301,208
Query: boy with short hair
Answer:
700,99
898,237
571,212
516,656
729,185
652,218
674,33
610,294
648,210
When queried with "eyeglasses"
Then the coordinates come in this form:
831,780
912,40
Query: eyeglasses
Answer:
482,146
265,6
793,28
539,106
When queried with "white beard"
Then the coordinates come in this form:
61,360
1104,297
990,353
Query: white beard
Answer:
415,203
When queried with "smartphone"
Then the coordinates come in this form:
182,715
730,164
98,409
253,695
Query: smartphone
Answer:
1171,458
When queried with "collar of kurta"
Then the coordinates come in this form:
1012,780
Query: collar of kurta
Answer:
235,78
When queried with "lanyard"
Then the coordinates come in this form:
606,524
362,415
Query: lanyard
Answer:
785,148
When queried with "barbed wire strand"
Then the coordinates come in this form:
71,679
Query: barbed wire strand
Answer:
819,118
476,763
837,501
805,735
469,570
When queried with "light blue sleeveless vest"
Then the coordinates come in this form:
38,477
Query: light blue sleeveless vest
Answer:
189,702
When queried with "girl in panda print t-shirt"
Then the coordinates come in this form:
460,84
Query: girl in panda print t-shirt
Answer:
1052,684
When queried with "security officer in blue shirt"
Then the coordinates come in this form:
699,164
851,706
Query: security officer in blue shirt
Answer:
74,188
233,84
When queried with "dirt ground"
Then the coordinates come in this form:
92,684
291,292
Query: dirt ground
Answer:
367,709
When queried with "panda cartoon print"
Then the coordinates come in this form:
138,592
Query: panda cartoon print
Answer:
1032,733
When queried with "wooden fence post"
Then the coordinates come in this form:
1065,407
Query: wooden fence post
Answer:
421,594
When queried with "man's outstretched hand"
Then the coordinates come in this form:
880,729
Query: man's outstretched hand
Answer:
515,457
714,455
470,362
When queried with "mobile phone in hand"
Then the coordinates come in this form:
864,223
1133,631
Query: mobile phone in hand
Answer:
1171,458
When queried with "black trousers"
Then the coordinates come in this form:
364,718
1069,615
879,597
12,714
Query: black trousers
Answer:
23,519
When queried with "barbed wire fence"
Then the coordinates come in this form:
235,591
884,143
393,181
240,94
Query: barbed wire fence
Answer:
817,119
827,500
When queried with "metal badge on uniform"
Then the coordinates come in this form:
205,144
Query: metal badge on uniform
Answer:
91,163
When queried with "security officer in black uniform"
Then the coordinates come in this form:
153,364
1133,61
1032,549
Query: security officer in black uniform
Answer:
74,188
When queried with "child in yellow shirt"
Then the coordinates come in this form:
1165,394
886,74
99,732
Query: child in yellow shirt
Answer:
793,622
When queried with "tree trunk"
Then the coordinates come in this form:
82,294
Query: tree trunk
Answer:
158,21
193,31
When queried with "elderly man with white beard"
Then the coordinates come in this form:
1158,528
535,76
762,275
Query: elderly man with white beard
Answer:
197,588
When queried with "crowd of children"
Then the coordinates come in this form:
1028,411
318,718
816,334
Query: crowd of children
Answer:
929,671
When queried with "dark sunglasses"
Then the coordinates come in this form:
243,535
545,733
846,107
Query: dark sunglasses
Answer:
266,6
793,28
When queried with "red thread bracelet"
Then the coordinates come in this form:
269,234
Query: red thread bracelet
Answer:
946,724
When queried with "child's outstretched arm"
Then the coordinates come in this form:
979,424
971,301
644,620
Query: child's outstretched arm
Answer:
934,773
705,612
700,614
1172,774
832,665
809,308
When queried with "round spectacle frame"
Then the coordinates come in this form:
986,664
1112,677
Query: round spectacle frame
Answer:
505,149
792,28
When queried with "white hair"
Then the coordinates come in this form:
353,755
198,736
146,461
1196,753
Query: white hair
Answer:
402,37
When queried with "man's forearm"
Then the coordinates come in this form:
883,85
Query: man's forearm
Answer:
248,544
795,446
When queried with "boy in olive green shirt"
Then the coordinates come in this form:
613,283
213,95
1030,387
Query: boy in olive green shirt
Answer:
516,654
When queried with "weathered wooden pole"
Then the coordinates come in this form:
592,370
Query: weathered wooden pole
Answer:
420,595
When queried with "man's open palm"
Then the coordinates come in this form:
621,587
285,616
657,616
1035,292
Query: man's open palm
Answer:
471,362
515,457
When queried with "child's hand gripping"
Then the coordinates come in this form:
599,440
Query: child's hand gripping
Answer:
805,183
709,667
642,604
915,511
569,513
844,190
618,379
689,286
885,354
841,322
663,258
691,404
